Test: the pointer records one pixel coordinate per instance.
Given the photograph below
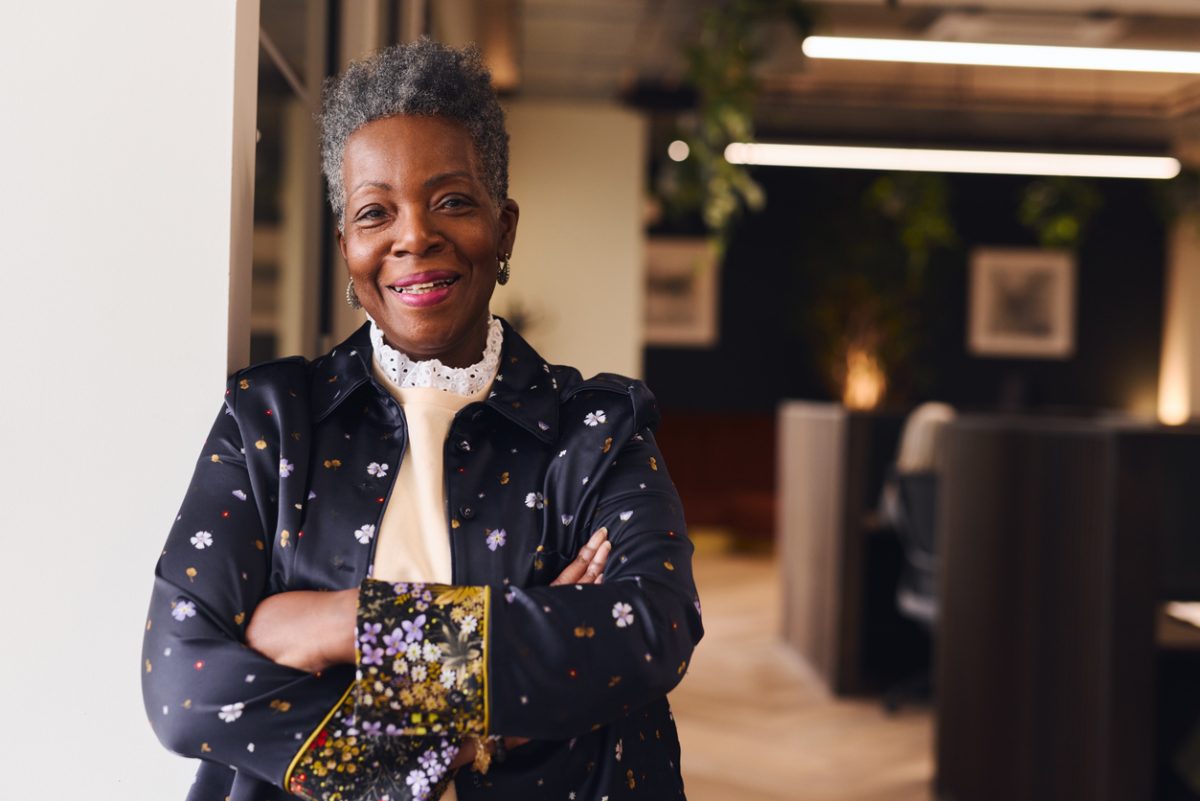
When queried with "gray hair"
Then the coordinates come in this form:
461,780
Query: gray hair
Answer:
422,78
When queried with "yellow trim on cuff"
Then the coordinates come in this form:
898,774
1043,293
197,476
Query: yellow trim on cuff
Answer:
287,776
487,658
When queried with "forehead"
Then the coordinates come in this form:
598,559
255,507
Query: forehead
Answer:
408,147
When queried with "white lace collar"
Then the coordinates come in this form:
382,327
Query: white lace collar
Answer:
405,372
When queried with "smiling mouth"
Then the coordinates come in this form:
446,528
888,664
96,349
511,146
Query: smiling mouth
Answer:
423,288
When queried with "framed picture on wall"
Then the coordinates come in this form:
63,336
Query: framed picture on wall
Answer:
681,292
1022,303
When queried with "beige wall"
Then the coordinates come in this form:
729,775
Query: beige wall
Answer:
120,222
576,171
1179,374
1179,367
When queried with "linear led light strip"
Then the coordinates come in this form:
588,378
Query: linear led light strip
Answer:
1002,55
970,161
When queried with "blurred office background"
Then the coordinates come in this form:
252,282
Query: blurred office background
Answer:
932,421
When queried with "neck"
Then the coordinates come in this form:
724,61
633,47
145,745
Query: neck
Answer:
466,352
470,350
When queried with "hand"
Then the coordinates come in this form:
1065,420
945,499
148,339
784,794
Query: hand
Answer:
586,568
306,630
588,565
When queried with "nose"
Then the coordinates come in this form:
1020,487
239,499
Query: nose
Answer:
416,232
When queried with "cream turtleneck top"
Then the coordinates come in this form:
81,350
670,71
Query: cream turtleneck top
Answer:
412,542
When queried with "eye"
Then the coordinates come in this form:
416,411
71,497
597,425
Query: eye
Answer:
370,214
455,202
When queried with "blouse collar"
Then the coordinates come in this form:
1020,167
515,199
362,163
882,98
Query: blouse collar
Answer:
404,371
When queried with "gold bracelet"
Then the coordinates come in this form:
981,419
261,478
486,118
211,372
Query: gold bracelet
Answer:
483,757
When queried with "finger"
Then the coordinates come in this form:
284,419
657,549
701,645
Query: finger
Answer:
600,579
596,566
596,559
573,572
588,552
598,536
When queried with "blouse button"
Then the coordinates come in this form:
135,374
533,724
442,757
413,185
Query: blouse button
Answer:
466,512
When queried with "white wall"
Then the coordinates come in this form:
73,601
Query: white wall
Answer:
576,171
117,219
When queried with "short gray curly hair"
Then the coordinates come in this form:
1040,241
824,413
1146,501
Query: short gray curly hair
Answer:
422,78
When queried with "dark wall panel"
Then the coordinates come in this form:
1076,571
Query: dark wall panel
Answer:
816,220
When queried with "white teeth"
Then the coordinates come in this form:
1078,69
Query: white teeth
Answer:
420,289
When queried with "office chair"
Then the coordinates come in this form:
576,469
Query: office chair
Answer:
910,504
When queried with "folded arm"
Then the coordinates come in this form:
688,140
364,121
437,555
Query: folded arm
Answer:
206,693
565,660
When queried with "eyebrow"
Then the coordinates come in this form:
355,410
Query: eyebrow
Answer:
375,184
446,176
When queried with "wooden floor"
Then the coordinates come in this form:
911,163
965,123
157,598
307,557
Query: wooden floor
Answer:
755,724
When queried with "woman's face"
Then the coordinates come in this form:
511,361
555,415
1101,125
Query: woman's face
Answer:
422,236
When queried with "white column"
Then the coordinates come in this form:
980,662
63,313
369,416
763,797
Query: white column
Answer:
125,220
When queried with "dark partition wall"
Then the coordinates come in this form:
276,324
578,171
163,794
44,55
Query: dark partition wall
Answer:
1058,539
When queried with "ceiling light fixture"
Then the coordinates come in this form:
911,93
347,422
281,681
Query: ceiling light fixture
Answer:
1002,55
959,161
678,150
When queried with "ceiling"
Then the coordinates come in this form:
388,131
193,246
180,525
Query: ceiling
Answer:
602,49
630,51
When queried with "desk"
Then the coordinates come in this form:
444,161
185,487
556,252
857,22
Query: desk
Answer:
1058,540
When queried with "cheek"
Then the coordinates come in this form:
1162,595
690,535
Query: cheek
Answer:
362,257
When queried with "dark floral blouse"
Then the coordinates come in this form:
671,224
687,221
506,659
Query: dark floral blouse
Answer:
288,495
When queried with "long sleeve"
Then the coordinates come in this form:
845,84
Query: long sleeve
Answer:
567,659
206,693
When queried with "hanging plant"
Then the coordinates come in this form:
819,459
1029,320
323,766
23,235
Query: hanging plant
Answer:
720,68
1058,210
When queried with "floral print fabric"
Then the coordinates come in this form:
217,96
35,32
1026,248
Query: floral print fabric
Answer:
421,659
419,689
347,759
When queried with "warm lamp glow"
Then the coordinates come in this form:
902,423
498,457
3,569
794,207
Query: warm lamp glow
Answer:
865,381
1173,397
992,162
1108,59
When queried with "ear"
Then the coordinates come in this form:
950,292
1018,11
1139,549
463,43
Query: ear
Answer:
341,240
510,213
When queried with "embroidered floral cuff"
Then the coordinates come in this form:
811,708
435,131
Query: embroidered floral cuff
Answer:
342,762
421,659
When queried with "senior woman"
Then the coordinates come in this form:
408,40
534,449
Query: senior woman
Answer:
384,581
